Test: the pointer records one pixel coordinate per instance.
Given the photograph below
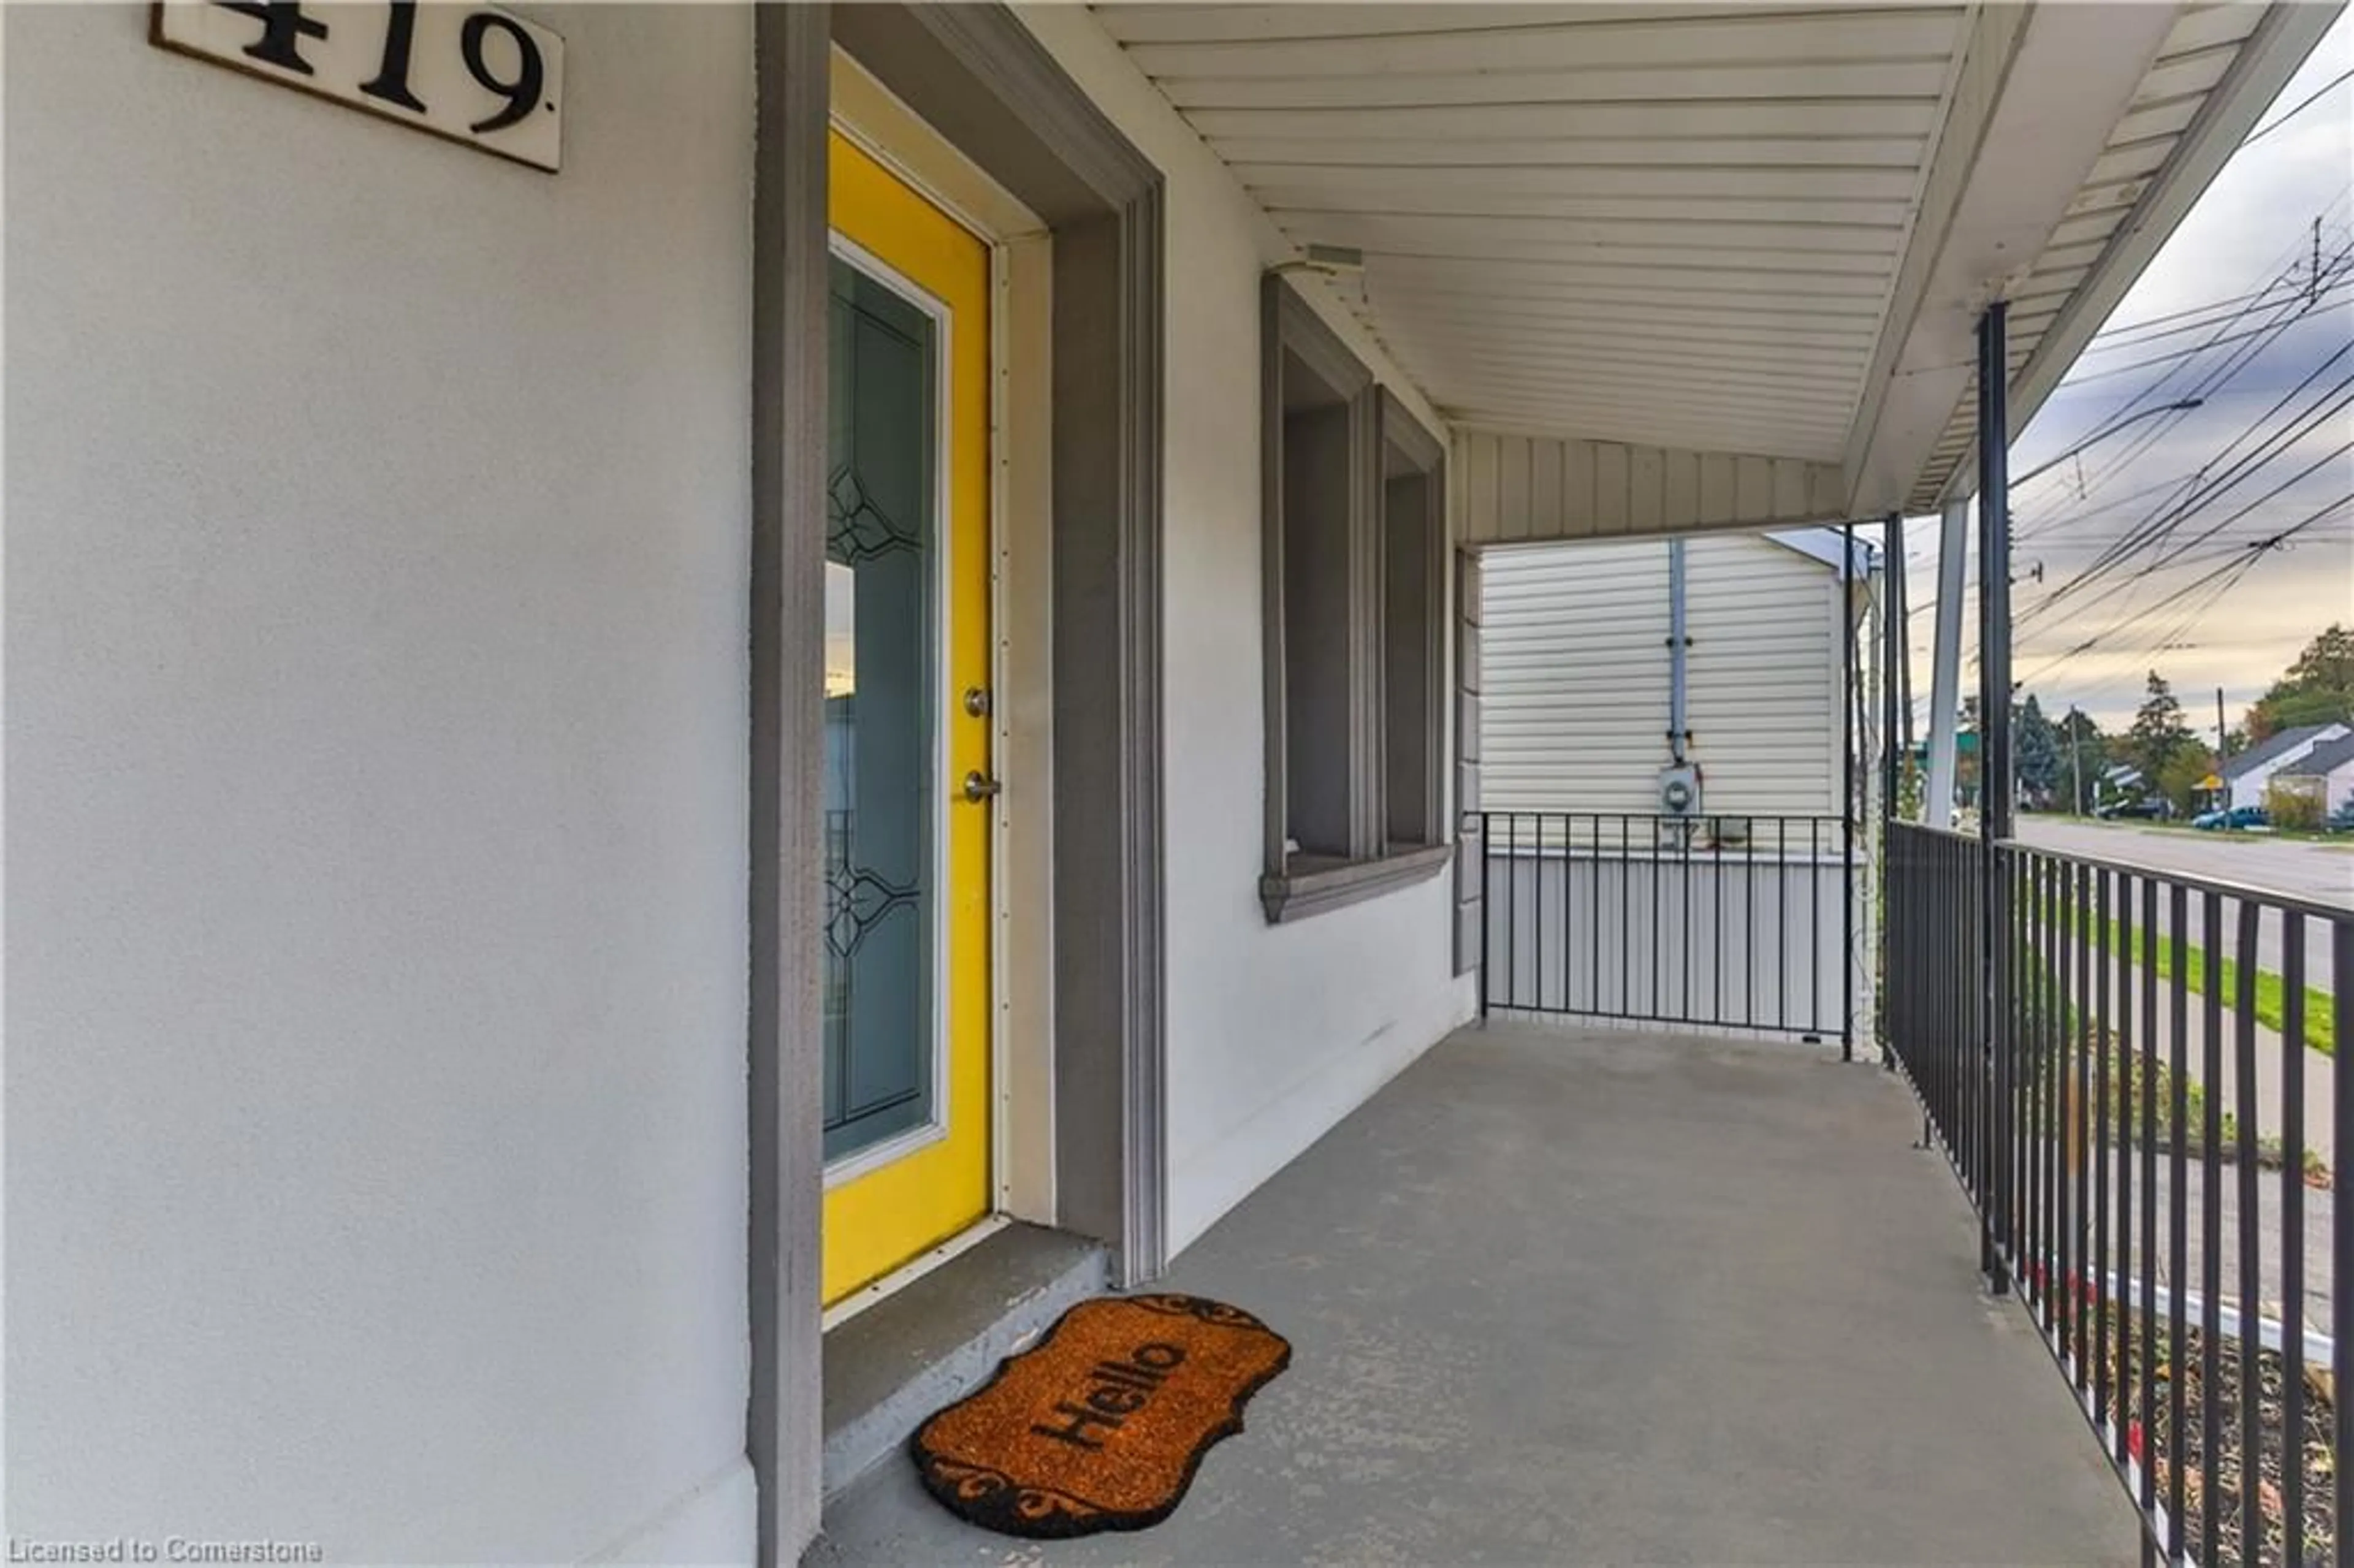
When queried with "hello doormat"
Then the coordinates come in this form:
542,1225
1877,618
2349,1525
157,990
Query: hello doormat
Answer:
1101,1424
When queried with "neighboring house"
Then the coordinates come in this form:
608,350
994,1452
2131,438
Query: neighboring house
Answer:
1577,673
2329,765
2246,775
466,1101
1602,739
2120,784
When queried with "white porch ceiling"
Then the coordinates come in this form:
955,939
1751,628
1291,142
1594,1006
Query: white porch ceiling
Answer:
1716,226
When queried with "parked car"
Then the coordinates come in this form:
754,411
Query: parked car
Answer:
2236,817
2153,807
2342,820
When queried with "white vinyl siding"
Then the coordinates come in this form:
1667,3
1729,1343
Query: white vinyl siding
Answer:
1765,680
1574,676
1528,489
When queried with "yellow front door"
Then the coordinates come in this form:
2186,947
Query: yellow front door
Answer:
907,676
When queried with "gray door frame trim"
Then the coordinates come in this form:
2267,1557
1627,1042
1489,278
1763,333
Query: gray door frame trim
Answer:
784,1077
980,78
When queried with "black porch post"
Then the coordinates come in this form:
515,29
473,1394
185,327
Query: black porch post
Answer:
1893,704
1849,732
1895,721
1994,789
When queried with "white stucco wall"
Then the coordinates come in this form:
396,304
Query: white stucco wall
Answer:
375,627
1274,1034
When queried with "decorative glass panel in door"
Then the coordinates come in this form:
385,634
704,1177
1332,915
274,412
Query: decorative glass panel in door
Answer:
881,772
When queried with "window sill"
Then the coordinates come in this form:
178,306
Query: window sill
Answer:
1297,895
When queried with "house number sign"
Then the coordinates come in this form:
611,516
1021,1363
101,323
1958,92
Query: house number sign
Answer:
469,73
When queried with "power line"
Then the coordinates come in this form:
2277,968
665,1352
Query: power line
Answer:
2284,272
2242,533
2244,559
2182,407
2046,525
2182,558
2172,355
2158,525
2238,559
2191,482
2214,381
2212,306
2200,489
2270,126
2201,538
2178,330
2282,268
2292,291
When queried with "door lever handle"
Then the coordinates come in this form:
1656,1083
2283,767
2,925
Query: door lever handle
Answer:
980,787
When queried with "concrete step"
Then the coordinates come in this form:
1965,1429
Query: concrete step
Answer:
939,1338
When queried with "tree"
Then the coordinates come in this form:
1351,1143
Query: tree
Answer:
2083,757
2318,688
2184,771
2159,735
2037,760
2078,727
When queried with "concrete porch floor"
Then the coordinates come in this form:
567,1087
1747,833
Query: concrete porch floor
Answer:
1577,1296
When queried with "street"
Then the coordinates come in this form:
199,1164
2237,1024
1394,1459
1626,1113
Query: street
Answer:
2323,873
2297,869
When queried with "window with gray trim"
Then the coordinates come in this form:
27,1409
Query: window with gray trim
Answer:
1354,540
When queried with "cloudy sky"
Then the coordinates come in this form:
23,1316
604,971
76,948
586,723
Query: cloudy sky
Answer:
2253,228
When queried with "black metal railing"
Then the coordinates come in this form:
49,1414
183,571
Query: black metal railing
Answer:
2150,1133
1933,986
1727,922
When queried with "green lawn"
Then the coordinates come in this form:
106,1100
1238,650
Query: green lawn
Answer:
2123,1111
2125,1067
2272,995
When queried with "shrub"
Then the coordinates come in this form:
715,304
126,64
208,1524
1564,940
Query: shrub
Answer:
2295,803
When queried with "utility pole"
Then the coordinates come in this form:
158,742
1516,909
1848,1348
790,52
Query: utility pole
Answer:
2077,757
2222,755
